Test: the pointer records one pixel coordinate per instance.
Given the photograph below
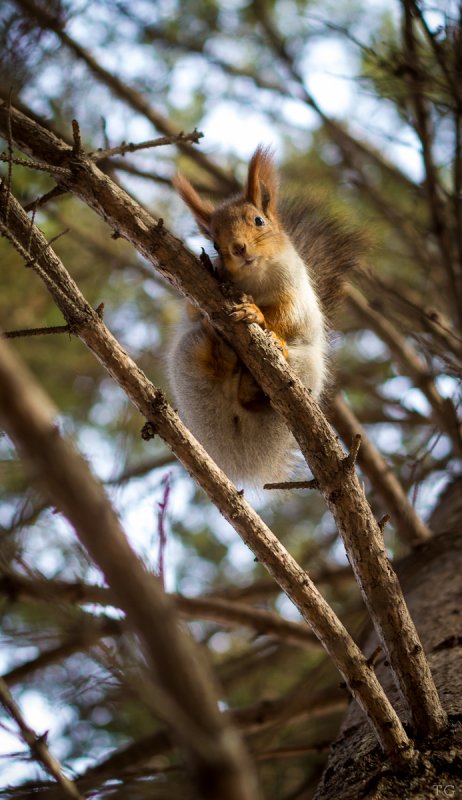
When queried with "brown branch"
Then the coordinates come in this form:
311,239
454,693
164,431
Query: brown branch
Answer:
37,745
134,99
35,332
294,581
222,767
341,488
407,522
413,76
410,364
37,165
312,484
56,191
93,631
130,147
215,609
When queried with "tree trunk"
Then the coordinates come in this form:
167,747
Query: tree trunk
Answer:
431,581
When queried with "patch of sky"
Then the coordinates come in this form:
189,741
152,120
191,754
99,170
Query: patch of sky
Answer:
401,389
369,346
448,386
387,438
287,609
112,401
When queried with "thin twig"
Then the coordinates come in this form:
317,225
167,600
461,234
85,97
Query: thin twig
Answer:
35,332
195,136
9,157
37,165
56,191
163,506
312,484
37,744
77,149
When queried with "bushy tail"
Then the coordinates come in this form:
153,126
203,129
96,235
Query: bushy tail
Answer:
330,247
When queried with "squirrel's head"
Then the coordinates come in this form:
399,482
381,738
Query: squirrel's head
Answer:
246,230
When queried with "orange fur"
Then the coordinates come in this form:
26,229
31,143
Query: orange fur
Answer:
279,317
202,209
262,181
214,357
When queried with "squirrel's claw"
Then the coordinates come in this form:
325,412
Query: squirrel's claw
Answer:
248,313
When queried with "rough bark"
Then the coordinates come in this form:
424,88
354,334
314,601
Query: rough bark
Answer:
335,474
430,578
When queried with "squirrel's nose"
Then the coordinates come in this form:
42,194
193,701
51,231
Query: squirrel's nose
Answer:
238,248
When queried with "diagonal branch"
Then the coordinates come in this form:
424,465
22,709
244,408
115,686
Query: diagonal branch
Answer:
444,412
134,98
408,523
215,609
37,744
265,545
220,765
341,488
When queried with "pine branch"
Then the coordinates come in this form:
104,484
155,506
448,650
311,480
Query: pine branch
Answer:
221,765
37,744
408,524
444,413
339,485
162,419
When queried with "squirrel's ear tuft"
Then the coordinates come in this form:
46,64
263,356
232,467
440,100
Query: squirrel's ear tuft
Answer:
262,181
201,209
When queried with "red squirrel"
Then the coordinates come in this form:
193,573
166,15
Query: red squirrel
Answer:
290,263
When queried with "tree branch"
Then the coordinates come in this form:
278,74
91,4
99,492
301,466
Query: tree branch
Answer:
410,527
37,745
215,609
341,489
444,413
220,765
294,581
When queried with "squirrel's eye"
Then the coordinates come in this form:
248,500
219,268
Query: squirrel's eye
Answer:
259,221
216,247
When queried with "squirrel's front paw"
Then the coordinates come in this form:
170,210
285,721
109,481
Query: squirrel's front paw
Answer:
280,343
248,312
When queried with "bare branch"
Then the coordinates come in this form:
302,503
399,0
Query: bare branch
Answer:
408,524
37,744
294,581
215,750
37,165
341,489
443,409
195,136
313,484
35,332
